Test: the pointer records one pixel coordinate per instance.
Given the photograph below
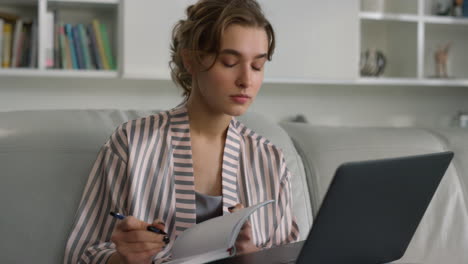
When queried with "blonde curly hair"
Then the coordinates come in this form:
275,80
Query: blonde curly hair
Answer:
201,33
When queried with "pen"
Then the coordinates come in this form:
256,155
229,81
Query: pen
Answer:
149,228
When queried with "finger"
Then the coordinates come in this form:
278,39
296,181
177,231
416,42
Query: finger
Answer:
141,236
244,236
131,223
235,208
247,226
159,224
133,248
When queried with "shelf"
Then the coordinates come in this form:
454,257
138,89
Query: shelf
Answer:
412,82
446,20
388,17
58,73
83,3
103,2
373,81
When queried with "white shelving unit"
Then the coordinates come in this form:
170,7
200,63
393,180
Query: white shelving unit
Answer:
70,11
409,38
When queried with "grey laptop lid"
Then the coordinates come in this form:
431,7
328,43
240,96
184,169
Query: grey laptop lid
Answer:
372,209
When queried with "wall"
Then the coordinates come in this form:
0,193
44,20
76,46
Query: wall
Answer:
322,105
316,39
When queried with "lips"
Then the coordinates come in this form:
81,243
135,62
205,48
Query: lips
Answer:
240,98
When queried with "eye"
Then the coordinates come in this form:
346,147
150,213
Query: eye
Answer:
256,68
229,65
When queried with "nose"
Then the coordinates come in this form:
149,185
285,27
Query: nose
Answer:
244,78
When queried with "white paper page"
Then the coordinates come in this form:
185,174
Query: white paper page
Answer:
216,234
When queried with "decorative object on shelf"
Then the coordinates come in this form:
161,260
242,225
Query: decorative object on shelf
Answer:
443,8
462,118
441,58
372,63
458,8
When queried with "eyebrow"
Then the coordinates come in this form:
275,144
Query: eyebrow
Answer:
238,54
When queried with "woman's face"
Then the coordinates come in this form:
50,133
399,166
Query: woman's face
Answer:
231,85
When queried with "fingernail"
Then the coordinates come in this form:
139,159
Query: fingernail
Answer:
161,223
231,208
156,230
166,239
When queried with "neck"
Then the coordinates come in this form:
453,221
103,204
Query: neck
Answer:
204,121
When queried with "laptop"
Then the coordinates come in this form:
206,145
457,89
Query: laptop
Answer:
369,214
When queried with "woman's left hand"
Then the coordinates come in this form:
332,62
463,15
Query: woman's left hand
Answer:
244,242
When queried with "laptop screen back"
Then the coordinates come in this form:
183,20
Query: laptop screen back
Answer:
372,209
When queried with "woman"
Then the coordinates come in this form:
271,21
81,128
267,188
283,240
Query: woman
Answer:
196,161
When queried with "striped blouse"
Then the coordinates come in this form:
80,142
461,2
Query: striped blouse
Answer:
145,170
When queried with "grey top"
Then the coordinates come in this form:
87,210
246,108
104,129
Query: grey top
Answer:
208,206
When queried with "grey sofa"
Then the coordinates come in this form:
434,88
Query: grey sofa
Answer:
45,158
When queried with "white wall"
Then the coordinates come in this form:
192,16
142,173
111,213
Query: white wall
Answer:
316,39
322,105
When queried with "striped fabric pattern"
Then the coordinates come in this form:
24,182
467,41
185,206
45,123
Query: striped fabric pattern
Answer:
145,170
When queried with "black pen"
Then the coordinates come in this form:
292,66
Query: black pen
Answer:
149,228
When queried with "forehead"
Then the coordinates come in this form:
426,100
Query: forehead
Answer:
247,40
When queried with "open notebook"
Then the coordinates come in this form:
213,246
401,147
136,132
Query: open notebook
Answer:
212,239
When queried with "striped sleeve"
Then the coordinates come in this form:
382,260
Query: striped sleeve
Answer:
286,230
105,191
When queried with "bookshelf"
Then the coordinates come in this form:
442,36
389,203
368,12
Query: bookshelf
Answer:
89,44
409,32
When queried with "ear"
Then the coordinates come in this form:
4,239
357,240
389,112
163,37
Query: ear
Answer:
187,60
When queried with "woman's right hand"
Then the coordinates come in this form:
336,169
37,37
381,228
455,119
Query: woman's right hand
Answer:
134,243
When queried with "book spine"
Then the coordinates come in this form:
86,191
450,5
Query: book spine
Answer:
65,51
16,42
107,47
7,31
24,59
94,48
85,46
19,47
2,22
78,48
100,44
49,39
57,48
71,45
33,47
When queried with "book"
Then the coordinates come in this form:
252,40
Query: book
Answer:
100,44
85,45
49,39
212,239
23,59
57,48
71,45
94,48
8,17
7,32
64,49
2,21
33,46
78,48
16,43
107,47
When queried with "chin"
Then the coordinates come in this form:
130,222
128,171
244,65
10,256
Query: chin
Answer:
236,111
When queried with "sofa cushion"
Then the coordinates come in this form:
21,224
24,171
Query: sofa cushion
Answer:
456,139
46,157
276,134
442,236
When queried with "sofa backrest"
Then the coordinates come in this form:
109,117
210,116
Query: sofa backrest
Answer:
45,159
442,236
